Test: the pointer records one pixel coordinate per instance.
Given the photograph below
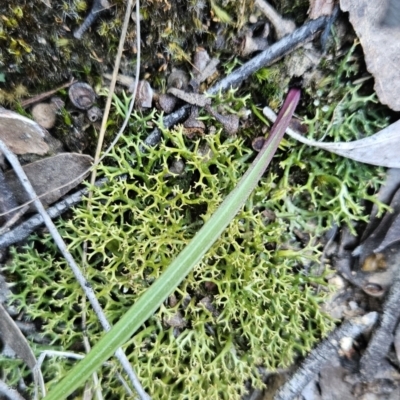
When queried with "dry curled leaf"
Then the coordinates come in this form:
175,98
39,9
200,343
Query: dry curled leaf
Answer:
51,173
382,148
21,134
381,45
192,98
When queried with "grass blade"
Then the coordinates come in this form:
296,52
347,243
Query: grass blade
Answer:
151,300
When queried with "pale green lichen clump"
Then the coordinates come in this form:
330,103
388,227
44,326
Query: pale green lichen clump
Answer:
264,310
251,302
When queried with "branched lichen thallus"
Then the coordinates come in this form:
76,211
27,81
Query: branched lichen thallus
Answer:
97,7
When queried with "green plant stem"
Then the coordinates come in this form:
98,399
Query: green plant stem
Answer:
151,300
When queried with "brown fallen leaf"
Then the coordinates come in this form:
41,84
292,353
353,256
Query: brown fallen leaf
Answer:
381,45
21,134
382,148
50,173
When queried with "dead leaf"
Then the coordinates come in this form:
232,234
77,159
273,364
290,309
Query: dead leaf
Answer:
12,337
382,148
210,69
318,8
192,98
21,134
381,44
51,173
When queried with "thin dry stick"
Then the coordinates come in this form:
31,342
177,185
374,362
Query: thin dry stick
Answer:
85,285
114,81
103,128
130,372
45,95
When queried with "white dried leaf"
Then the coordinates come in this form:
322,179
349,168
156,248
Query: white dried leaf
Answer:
382,148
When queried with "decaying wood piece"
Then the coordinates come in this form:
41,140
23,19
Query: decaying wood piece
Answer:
323,354
194,99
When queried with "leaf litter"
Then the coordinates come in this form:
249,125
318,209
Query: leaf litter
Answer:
49,174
